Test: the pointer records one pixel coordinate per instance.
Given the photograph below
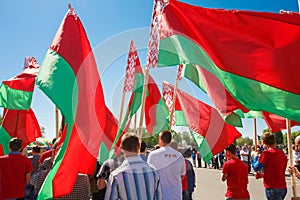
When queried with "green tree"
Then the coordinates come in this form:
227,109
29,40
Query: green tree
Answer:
279,137
43,131
244,140
186,136
293,134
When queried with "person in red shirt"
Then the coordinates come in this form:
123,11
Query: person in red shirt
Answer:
274,162
15,172
235,172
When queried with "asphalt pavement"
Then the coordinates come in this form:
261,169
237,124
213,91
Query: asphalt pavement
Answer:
210,187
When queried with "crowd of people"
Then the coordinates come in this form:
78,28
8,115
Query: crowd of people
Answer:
164,173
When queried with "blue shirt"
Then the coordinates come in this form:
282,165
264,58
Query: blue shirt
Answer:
134,179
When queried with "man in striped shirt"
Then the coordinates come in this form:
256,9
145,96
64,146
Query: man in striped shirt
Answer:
134,179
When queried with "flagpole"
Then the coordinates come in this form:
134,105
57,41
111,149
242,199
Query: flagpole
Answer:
143,103
173,104
134,125
121,109
255,134
290,153
56,123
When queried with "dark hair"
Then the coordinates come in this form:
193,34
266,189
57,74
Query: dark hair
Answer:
143,146
268,138
232,149
36,149
130,142
15,144
166,136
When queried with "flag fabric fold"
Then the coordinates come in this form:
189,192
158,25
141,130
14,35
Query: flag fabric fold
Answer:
156,112
258,68
276,123
222,99
18,123
69,77
205,121
16,93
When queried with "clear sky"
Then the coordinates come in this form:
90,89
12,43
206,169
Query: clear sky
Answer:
28,27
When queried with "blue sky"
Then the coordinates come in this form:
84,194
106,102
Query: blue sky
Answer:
28,27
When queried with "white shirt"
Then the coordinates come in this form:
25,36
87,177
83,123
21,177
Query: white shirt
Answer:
171,166
244,158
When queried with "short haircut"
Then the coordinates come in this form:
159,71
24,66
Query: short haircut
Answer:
166,136
36,149
232,149
130,142
143,146
269,138
15,144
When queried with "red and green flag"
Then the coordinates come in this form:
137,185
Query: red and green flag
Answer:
18,123
133,66
16,93
203,120
258,68
156,112
225,103
69,77
277,123
110,133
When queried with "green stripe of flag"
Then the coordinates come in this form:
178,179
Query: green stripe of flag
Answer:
176,49
56,73
14,99
4,140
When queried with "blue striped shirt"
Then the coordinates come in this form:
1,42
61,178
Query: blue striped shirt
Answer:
135,180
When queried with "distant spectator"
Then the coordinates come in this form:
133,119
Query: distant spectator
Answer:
35,157
143,151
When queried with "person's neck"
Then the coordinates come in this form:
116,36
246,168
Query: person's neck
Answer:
271,146
164,145
231,157
129,154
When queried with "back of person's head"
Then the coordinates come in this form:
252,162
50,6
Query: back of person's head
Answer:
130,142
174,144
36,149
165,136
15,144
143,147
232,149
268,138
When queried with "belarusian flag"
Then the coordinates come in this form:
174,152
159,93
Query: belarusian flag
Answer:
222,99
16,93
132,61
253,54
69,77
156,112
133,64
277,123
110,132
18,123
206,121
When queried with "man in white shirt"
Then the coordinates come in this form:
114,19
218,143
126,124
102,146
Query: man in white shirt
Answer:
245,156
170,165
